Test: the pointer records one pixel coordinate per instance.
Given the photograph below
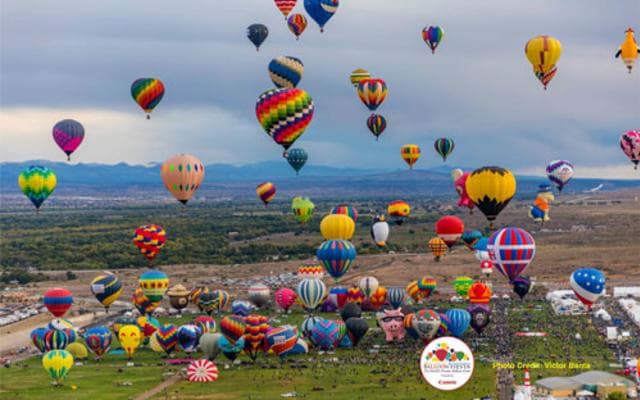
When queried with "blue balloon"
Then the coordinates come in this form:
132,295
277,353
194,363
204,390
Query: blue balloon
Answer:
188,337
297,158
588,284
321,11
242,308
37,337
229,350
481,244
396,296
460,320
337,257
257,33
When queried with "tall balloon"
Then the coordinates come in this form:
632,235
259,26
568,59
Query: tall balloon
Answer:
359,75
368,285
379,230
337,257
130,338
321,11
297,23
376,124
311,292
410,153
438,248
588,284
182,175
257,33
106,288
167,337
444,147
149,239
432,36
286,71
259,294
543,52
297,158
491,189
479,293
372,92
284,114
232,327
142,303
462,284
511,250
68,134
57,363
628,50
559,173
37,183
449,228
147,92
188,337
285,6
266,191
630,145
58,301
302,208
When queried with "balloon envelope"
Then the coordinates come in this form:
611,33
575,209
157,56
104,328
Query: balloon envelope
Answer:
37,183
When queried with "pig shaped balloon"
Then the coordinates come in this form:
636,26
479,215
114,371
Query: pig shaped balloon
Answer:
392,323
460,185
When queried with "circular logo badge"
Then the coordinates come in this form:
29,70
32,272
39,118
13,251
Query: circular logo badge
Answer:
447,363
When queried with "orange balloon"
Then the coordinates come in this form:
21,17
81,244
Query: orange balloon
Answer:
182,174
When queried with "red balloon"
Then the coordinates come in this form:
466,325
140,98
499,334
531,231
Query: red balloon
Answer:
58,301
479,293
285,298
449,229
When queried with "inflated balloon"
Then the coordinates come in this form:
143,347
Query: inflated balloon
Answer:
491,189
460,184
560,173
479,293
486,266
392,324
307,325
511,250
359,75
539,210
462,284
142,302
167,338
122,321
459,321
266,191
356,328
147,92
432,36
254,334
521,286
482,251
284,114
337,227
98,340
205,323
285,298
68,134
148,326
426,286
410,153
345,209
396,296
378,298
202,371
379,230
372,92
58,301
60,323
445,321
259,294
350,310
543,52
588,284
257,33
106,288
311,270
311,292
297,158
368,285
154,284
195,294
286,71
321,11
628,50
282,339
37,183
130,338
480,316
413,291
398,210
57,363
355,295
182,175
232,328
216,300
37,338
449,228
231,350
242,308
425,324
78,350
209,344
178,297
325,334
189,337
149,239
285,6
302,208
444,147
297,23
301,347
470,238
630,145
338,296
438,248
376,124
337,256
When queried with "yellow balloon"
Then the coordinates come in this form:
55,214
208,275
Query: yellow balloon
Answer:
77,350
491,189
337,227
130,338
543,52
154,345
57,363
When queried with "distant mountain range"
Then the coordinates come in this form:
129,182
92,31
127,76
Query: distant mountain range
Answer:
239,181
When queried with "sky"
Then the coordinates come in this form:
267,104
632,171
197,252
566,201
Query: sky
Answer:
77,59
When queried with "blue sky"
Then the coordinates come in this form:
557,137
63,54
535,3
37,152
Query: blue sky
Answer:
76,59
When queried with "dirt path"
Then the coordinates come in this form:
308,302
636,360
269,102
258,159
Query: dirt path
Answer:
162,386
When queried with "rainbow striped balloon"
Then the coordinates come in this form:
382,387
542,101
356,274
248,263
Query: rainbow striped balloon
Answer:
432,36
410,153
376,124
37,183
284,114
372,92
147,92
266,191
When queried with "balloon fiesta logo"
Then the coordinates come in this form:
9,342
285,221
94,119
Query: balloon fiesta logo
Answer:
447,363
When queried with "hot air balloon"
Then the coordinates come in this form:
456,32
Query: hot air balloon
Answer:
202,371
337,257
257,33
376,124
306,326
182,175
209,344
149,239
521,286
242,308
106,288
480,316
285,298
426,286
282,339
57,363
628,50
98,340
216,300
325,334
449,228
438,248
413,291
229,349
630,145
167,338
398,210
195,293
56,339
255,330
511,250
37,183
259,294
311,270
205,323
147,92
356,328
37,338
232,327
122,321
148,326
379,230
321,11
266,191
460,320
470,238
559,173
154,284
284,114
178,297
359,75
188,337
487,267
355,295
58,301
432,36
344,209
368,285
543,52
130,338
297,23
286,71
462,284
297,158
410,153
338,296
460,184
372,92
482,252
445,321
378,298
444,147
479,293
396,296
588,284
311,292
425,324
491,189
68,134
285,6
142,302
337,227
